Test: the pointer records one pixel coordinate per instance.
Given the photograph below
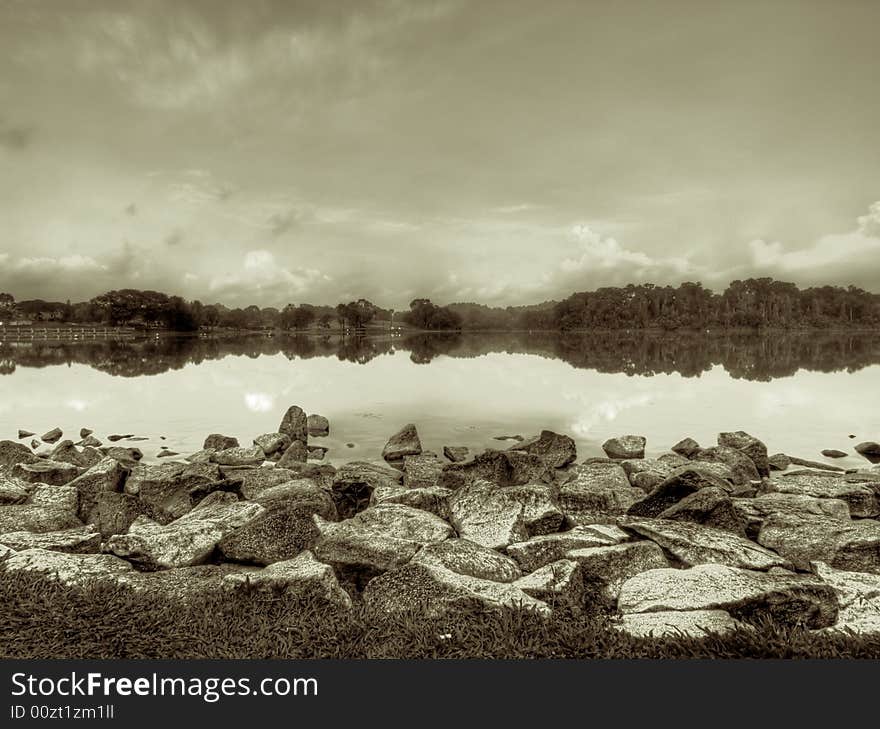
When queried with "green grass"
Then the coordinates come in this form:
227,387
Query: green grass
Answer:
39,619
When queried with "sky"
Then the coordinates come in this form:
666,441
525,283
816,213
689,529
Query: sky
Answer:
505,152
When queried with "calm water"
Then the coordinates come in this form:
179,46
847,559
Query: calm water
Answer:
800,393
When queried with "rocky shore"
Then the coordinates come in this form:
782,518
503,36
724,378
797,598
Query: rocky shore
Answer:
703,539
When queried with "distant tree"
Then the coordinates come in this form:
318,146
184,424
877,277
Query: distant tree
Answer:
423,314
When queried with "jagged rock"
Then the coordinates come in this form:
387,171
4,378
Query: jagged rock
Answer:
648,473
542,550
465,557
25,434
859,598
219,442
65,452
68,569
255,481
597,493
421,471
710,507
681,483
272,443
52,473
625,446
745,594
556,450
805,538
13,491
126,456
778,462
303,575
202,456
79,540
870,450
756,509
166,490
487,514
559,582
296,452
354,483
541,511
686,447
456,454
115,512
817,465
47,509
743,468
106,475
859,492
90,441
503,468
750,446
670,624
238,456
379,538
693,544
439,593
833,453
606,568
52,436
404,442
12,453
430,498
318,425
186,541
295,424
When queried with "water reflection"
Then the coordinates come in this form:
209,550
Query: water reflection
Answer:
744,355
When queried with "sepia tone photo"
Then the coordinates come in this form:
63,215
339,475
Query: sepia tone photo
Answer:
439,329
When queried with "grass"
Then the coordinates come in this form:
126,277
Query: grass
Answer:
40,619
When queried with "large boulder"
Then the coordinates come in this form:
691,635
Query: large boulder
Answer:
219,442
297,452
317,425
272,443
12,453
687,447
488,515
255,481
238,456
295,424
541,511
693,544
354,483
755,510
503,468
47,509
671,624
625,446
430,498
167,490
115,512
742,468
53,473
106,475
52,436
750,446
605,569
544,549
597,493
745,594
710,507
465,557
681,483
422,471
66,452
859,597
870,450
556,450
79,540
859,492
68,569
648,473
405,442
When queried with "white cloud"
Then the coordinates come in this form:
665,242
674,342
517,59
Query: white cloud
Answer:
259,402
74,263
261,271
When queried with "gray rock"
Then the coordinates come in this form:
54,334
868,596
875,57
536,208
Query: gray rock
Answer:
166,490
296,452
272,443
52,436
126,456
79,540
606,569
85,432
503,468
456,454
90,441
710,507
818,465
25,434
859,598
353,485
680,484
115,512
625,446
295,424
219,442
870,450
12,453
53,473
558,583
13,491
422,471
671,624
255,481
556,450
316,453
859,492
597,493
755,510
431,498
687,447
47,509
488,515
743,468
238,456
106,475
65,452
778,462
750,446
542,550
68,569
465,557
833,453
318,425
404,442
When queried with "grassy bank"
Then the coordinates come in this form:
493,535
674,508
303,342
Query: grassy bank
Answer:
44,620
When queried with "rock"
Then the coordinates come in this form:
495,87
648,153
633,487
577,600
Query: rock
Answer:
354,483
556,450
710,507
671,624
47,509
430,498
90,441
488,515
68,569
186,541
778,462
421,471
303,575
859,492
456,454
559,583
859,598
795,461
79,540
167,490
439,593
53,473
272,443
597,493
404,442
238,456
24,434
85,432
115,512
256,480
126,456
296,452
746,595
13,491
503,468
117,437
35,443
750,446
755,510
542,550
318,425
647,473
805,538
693,544
167,454
687,447
218,442
870,450
106,475
12,453
465,557
295,424
681,483
605,569
832,453
202,456
626,446
541,511
52,436
741,466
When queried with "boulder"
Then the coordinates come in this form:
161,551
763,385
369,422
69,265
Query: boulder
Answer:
625,446
859,597
438,593
710,507
126,456
605,569
115,512
52,436
556,450
85,432
47,509
79,540
542,550
693,544
167,490
859,492
742,468
465,557
272,443
681,483
255,481
456,454
421,471
302,575
354,483
558,583
405,442
687,447
488,515
747,595
25,434
647,473
68,569
66,452
53,473
13,491
671,624
750,446
238,456
755,510
597,493
218,442
12,453
870,450
833,453
295,424
318,425
90,441
430,498
106,475
296,452
778,462
503,468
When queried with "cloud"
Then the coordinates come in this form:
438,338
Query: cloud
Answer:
51,266
261,277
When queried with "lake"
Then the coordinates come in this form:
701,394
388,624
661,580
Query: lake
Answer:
799,392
